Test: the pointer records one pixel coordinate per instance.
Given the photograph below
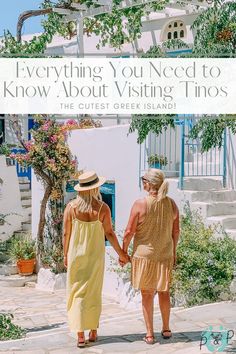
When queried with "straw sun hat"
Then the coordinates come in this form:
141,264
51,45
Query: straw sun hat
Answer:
89,180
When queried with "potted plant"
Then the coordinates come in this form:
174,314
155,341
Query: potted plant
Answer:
23,251
157,161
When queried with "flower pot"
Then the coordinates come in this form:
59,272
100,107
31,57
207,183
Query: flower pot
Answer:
25,266
156,165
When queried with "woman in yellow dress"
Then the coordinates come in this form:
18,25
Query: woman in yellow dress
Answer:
86,222
154,223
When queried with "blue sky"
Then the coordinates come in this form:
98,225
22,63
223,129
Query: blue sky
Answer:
10,11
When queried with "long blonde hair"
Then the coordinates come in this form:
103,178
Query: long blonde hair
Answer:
158,183
84,200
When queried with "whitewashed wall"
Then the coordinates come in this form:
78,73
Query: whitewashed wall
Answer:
112,154
10,200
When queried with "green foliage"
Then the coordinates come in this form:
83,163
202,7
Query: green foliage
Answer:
144,124
53,258
22,247
121,25
161,160
9,330
115,28
5,149
210,130
160,51
216,31
205,263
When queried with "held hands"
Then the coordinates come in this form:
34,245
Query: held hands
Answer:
124,259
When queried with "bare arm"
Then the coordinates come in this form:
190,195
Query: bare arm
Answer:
176,229
67,225
111,236
132,225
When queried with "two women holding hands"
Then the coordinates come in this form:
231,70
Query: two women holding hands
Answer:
154,224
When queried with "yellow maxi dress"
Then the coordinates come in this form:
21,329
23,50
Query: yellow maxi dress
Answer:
85,271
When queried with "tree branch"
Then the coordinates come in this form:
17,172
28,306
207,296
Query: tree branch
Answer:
32,13
27,14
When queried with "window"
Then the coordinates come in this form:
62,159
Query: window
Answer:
174,30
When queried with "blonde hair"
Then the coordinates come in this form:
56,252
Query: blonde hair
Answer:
158,183
84,200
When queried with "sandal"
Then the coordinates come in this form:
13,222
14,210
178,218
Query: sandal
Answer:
149,339
81,342
92,337
168,331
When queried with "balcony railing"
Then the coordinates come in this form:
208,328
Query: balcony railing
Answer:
184,157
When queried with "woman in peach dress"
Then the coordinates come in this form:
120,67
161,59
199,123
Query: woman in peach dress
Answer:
154,223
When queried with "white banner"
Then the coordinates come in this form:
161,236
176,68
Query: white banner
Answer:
118,86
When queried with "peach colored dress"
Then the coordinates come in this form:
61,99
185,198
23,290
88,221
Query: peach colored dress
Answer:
152,258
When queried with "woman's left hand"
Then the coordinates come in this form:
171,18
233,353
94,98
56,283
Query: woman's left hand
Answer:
122,263
65,261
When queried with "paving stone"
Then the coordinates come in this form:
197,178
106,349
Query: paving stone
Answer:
120,331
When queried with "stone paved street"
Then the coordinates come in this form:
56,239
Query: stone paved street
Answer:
121,331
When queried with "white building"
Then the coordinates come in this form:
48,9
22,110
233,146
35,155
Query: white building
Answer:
112,153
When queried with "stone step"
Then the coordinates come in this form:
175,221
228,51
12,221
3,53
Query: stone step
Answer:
215,209
20,233
214,196
26,226
227,221
27,208
16,280
23,179
25,194
202,184
8,269
24,186
26,202
25,198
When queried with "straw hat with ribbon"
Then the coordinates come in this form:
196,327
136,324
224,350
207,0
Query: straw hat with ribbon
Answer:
89,180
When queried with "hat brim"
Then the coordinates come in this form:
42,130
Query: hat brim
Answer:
101,181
